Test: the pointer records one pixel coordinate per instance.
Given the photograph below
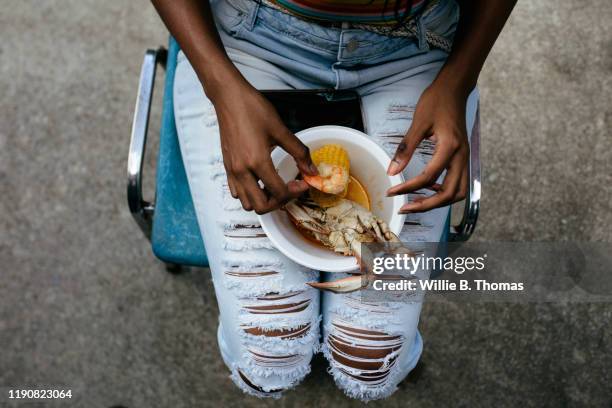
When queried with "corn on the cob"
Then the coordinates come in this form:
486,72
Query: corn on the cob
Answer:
331,154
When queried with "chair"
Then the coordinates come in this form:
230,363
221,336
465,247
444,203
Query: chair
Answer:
170,222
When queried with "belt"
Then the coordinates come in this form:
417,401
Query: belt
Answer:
406,29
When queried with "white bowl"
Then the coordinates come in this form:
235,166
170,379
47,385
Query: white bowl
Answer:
369,164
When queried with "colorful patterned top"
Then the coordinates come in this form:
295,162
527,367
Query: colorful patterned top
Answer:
356,11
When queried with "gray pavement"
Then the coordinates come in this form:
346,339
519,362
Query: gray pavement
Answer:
85,305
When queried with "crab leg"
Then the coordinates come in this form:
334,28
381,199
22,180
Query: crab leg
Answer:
356,248
344,285
341,228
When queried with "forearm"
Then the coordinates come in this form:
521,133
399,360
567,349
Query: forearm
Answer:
191,23
479,25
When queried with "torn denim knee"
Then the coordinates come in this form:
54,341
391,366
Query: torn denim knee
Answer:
277,325
363,362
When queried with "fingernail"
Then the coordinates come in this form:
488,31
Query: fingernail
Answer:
313,169
393,168
390,192
405,209
298,185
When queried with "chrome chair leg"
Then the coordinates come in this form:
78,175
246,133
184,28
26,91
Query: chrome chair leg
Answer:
466,227
141,210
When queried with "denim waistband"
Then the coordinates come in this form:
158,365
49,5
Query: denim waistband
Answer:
296,25
339,56
436,25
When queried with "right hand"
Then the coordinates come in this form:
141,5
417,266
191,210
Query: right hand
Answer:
250,129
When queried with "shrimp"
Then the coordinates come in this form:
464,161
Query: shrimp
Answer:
332,179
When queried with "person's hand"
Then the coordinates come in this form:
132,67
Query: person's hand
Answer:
439,116
250,129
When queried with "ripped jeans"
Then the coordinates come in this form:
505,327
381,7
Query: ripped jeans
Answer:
270,320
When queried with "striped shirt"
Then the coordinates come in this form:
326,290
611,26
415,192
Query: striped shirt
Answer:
356,11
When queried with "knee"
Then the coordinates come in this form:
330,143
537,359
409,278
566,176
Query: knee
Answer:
261,386
272,316
364,362
279,333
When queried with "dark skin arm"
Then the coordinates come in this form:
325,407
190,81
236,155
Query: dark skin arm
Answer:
440,112
249,125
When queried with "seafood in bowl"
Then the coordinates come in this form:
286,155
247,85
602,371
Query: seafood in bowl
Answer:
341,227
367,185
328,215
333,164
336,213
334,180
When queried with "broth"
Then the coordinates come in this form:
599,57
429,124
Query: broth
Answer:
357,193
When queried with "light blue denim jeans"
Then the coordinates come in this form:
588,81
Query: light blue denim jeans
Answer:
270,320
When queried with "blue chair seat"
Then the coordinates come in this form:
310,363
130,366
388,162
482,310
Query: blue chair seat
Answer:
175,235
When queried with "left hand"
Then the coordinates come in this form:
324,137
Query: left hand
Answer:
439,116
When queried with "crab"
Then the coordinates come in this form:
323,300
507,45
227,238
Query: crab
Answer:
342,228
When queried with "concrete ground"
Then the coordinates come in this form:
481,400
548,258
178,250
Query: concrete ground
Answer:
85,305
